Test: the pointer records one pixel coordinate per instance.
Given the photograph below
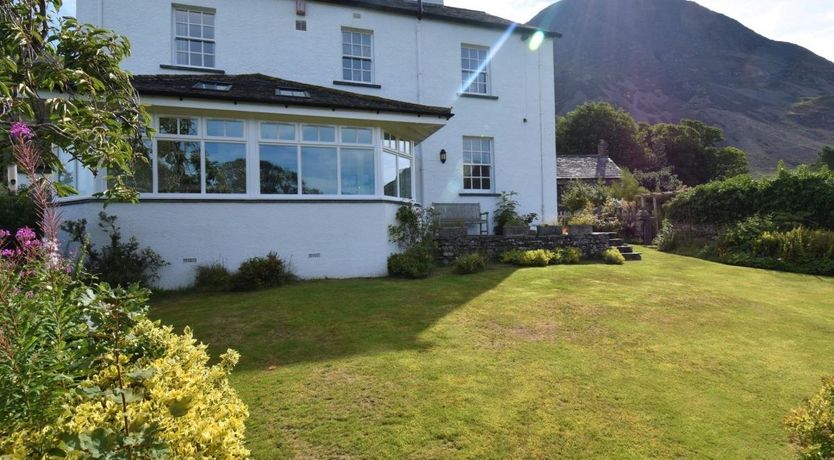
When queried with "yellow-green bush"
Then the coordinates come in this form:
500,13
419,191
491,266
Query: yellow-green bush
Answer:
568,256
613,256
811,426
176,404
535,258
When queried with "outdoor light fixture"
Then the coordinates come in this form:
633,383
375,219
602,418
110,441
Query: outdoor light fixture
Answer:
443,156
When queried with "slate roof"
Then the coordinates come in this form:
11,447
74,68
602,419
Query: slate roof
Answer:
261,88
586,167
441,13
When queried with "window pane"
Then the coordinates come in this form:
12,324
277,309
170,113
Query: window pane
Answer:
357,172
319,133
208,32
279,169
357,136
225,167
389,174
208,61
405,177
215,128
188,126
319,171
269,131
208,19
181,16
167,125
182,29
178,167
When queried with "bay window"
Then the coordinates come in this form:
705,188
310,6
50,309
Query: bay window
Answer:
397,159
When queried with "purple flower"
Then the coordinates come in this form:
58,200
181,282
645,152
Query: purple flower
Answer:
4,234
8,253
20,131
25,234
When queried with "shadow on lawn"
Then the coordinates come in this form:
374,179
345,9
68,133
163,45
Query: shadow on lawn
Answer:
320,320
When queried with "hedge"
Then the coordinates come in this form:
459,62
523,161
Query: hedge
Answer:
803,195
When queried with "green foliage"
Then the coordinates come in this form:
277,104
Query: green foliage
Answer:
506,213
85,374
214,277
726,162
742,235
583,217
802,193
627,188
119,263
470,263
580,195
262,273
535,258
811,426
415,226
510,257
97,117
581,130
661,180
568,256
415,263
612,256
665,239
826,157
17,210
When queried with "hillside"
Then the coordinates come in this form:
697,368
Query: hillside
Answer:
664,60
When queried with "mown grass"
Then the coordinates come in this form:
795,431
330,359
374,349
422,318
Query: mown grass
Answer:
666,358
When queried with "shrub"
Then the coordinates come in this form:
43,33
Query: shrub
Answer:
569,256
580,195
415,263
802,194
662,180
262,273
470,263
511,257
665,239
506,213
120,263
742,235
415,226
613,256
535,258
214,277
811,426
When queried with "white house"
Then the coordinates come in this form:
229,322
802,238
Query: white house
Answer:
301,126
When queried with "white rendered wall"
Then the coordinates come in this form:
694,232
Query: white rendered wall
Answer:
350,239
417,61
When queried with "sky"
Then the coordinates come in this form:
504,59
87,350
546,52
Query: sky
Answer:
808,23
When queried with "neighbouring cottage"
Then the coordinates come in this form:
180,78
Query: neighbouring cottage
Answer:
591,169
301,126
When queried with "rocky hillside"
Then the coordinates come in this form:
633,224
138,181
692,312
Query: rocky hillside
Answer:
664,60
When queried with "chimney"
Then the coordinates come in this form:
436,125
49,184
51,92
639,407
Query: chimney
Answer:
602,149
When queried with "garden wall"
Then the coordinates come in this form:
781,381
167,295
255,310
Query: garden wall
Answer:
451,246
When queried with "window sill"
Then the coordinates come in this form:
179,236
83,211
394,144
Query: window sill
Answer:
479,96
356,83
192,68
489,194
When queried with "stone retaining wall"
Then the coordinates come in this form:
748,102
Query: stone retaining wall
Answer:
452,246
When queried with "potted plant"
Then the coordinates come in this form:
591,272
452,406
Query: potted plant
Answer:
581,223
507,219
550,228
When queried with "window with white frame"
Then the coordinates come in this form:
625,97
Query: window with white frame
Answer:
196,155
477,163
194,37
316,160
397,161
357,56
474,69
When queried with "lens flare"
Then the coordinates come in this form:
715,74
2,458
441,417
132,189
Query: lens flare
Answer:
536,40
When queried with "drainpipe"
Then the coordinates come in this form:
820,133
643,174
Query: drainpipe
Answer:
419,153
541,136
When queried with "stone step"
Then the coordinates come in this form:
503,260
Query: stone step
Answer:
625,249
633,256
616,242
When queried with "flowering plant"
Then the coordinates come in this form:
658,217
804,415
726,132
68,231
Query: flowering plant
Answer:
85,374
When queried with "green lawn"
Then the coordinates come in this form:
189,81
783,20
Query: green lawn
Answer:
670,357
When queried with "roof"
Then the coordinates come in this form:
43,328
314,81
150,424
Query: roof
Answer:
262,89
441,13
586,167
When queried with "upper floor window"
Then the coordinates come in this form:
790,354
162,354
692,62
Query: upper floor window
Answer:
474,69
357,56
477,163
193,37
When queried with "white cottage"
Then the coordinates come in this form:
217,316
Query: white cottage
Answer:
301,126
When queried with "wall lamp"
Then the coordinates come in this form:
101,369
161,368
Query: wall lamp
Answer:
443,156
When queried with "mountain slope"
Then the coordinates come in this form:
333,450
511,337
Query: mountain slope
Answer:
664,60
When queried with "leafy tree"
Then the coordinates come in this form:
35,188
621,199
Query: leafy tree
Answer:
826,157
662,180
63,78
726,162
580,131
627,188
